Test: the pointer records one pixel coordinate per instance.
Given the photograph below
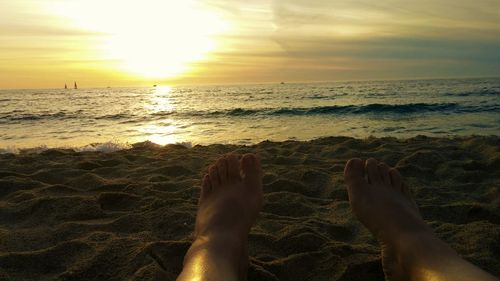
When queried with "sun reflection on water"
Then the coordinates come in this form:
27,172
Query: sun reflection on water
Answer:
160,100
164,130
161,134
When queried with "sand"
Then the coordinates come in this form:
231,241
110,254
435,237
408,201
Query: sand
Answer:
129,215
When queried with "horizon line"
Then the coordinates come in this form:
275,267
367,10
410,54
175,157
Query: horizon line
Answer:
159,84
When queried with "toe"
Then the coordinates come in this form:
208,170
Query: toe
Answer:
408,194
406,191
371,169
213,174
206,187
222,169
252,172
396,179
354,176
384,173
354,173
250,166
233,167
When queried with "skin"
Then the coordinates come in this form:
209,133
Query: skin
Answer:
231,197
409,248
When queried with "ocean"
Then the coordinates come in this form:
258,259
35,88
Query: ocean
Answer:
247,114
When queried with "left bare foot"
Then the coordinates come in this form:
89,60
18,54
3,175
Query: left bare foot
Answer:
231,198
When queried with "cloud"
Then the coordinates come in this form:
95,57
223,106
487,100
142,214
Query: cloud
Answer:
293,39
382,37
389,14
392,47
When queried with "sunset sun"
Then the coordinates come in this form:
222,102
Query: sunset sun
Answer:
152,38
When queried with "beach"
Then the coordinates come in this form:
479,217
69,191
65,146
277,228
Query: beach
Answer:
113,112
129,214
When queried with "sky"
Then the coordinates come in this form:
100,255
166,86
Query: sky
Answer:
98,43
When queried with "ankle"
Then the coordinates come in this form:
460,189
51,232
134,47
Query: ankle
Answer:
214,258
421,250
223,246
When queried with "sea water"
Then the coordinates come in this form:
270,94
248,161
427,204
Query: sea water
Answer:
246,114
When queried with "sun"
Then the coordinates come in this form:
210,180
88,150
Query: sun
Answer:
150,38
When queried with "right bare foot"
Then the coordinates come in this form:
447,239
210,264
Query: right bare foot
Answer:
380,200
410,249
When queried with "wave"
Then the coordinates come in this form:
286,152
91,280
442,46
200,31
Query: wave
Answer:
479,93
16,115
369,109
13,116
114,116
325,97
400,109
106,147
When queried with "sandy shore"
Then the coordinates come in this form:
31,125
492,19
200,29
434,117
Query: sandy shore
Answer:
129,215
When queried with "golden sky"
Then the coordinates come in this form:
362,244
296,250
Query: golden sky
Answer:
46,43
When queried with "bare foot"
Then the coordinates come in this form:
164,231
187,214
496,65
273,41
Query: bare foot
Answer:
231,196
380,200
230,200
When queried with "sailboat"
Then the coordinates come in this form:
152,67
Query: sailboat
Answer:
76,87
65,86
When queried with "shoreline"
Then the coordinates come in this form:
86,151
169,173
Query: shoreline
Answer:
129,214
112,146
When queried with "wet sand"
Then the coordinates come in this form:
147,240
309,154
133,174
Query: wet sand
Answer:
129,215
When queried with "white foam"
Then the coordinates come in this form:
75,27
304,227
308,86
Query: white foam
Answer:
104,147
186,144
9,150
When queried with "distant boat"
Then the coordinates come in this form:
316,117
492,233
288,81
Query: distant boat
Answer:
65,86
76,87
282,83
155,85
